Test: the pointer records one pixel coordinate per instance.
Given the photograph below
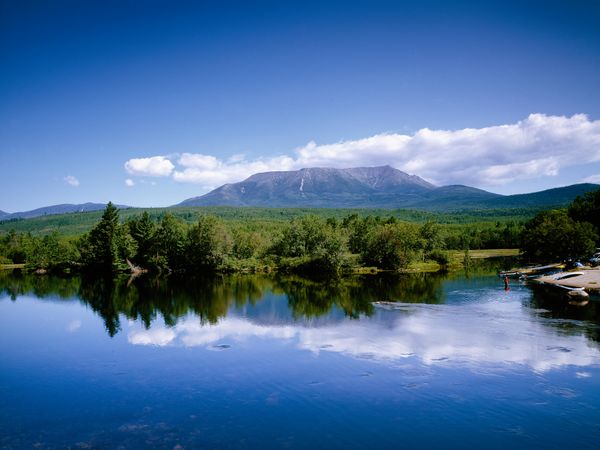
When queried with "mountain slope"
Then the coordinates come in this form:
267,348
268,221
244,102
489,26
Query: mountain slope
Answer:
372,187
322,187
556,197
58,209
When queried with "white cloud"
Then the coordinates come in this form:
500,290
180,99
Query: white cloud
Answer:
158,336
592,179
129,182
211,172
155,166
71,181
539,146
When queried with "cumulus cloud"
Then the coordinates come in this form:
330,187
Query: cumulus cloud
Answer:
71,181
129,182
154,166
538,146
212,172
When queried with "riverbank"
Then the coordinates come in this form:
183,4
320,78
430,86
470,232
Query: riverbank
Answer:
456,261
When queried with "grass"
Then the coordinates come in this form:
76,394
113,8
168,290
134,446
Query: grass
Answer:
11,266
488,253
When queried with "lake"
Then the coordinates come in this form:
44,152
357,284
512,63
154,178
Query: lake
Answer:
246,361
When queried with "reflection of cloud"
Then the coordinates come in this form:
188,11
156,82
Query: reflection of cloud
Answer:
74,325
488,333
155,336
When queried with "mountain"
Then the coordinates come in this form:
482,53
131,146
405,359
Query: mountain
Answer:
372,187
57,209
361,187
3,215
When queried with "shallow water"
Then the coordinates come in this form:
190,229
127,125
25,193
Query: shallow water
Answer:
271,362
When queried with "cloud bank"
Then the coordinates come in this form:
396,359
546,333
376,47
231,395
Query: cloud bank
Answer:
538,146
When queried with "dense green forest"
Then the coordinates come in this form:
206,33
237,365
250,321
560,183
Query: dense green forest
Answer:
294,240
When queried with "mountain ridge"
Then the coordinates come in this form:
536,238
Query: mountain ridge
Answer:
381,186
62,208
371,187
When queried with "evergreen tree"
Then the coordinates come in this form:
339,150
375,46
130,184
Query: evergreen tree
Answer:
142,231
168,249
107,244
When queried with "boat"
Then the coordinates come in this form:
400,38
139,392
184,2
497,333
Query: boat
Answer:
532,272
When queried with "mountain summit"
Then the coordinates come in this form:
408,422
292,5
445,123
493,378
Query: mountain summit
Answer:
357,187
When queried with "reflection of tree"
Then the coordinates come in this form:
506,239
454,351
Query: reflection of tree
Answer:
407,288
486,266
16,283
554,304
102,295
313,299
210,297
354,295
207,297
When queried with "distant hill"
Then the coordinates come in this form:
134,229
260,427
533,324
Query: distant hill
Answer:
56,209
549,198
371,187
362,187
383,188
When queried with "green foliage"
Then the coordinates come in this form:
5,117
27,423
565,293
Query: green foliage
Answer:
246,244
108,244
142,231
587,209
168,247
208,243
50,253
553,235
320,243
439,256
391,246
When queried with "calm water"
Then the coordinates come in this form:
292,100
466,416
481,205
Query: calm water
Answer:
268,362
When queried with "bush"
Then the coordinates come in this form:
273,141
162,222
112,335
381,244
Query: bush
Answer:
439,257
391,246
554,236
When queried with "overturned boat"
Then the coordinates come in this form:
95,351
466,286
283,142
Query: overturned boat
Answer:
532,272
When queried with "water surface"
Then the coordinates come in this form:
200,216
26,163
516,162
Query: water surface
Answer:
269,362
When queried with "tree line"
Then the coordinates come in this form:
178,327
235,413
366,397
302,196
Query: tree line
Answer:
304,244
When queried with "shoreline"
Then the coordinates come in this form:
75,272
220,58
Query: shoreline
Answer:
456,262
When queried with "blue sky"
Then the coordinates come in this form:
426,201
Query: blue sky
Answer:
147,103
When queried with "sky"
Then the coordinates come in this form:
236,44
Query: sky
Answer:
147,103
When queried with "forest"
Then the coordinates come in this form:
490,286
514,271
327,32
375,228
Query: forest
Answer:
329,242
